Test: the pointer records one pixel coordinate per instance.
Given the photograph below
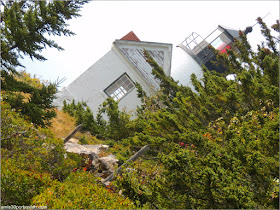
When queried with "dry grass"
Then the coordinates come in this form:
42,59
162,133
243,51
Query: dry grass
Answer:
63,124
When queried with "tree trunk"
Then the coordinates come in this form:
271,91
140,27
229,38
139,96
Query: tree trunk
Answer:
72,133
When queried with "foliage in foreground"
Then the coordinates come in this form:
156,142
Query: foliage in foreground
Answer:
81,191
28,149
216,147
109,123
31,157
25,26
25,29
31,97
213,148
219,145
34,148
230,166
19,186
35,170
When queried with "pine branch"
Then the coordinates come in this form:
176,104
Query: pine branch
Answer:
266,32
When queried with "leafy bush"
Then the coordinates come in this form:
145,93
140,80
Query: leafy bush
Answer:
218,146
83,140
19,186
33,147
137,181
31,99
230,166
115,127
234,168
122,152
83,115
81,191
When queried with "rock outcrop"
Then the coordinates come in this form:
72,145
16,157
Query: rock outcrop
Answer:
101,166
72,146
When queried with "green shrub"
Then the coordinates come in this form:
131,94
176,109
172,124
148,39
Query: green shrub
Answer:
137,181
83,140
81,191
116,127
32,147
33,102
19,186
83,115
121,151
231,165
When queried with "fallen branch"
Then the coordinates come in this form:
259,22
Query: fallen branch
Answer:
133,158
72,133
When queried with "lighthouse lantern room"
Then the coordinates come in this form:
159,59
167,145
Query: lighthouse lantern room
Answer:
221,39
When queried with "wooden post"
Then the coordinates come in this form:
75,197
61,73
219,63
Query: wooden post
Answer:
133,158
72,133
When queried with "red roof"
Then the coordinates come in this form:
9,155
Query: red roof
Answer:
131,37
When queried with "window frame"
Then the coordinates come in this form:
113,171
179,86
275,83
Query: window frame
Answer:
115,82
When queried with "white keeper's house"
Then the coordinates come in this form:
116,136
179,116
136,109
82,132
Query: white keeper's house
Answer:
115,74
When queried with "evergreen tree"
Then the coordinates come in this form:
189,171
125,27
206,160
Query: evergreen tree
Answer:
26,25
110,122
216,147
25,30
176,108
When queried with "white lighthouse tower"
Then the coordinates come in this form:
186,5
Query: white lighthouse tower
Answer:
194,51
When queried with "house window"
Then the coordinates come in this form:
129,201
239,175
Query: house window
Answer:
121,87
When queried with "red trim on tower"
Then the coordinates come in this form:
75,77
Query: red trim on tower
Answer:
130,37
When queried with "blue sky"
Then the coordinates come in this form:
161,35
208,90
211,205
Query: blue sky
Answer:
156,21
